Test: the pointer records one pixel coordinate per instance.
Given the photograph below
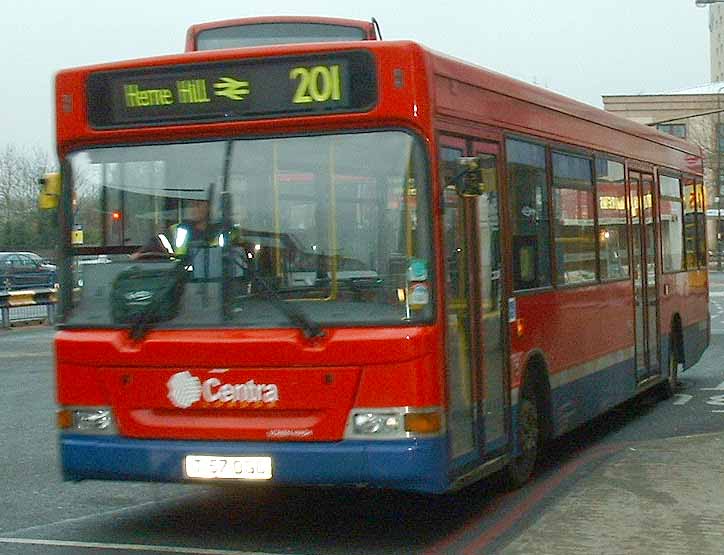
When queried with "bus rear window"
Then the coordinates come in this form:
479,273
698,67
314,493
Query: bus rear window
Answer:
262,34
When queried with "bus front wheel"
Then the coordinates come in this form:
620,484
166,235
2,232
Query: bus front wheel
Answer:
528,433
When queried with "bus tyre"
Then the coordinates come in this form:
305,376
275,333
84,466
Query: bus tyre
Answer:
669,386
528,432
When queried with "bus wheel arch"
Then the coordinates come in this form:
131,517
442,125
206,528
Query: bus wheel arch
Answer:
532,421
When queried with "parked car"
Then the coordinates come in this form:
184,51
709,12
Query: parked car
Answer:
25,270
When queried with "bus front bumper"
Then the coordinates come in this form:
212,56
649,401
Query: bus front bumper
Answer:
413,465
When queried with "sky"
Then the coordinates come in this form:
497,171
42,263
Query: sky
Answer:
582,49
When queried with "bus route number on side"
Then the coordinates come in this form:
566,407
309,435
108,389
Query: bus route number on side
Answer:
316,84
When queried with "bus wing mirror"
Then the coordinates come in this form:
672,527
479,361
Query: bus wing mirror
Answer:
469,181
49,196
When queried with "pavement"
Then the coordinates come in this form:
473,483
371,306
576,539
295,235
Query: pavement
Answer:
662,496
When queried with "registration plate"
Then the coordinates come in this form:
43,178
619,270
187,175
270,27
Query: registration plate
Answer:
210,467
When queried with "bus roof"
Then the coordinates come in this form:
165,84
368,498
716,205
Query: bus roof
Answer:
486,79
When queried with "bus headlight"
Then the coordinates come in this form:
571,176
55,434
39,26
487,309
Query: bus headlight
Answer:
393,423
87,420
367,423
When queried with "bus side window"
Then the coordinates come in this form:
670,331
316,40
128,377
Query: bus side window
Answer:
701,224
612,225
528,190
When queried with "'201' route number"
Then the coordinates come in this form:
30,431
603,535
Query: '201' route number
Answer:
316,84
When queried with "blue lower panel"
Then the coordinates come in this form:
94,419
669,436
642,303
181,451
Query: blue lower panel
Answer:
696,340
581,400
416,465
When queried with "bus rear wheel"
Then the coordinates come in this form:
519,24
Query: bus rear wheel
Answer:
669,386
528,433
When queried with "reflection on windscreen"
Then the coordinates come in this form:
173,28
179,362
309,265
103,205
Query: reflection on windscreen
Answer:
221,233
260,34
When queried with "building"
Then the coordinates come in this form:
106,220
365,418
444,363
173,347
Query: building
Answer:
716,41
690,114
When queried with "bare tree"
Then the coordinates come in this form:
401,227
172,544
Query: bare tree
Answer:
22,225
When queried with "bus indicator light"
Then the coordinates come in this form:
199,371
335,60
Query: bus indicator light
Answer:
67,103
64,419
423,422
399,76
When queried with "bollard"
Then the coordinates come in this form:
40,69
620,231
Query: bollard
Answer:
6,317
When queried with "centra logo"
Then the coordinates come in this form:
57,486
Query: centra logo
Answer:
185,389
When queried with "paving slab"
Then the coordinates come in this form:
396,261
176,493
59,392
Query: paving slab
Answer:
664,496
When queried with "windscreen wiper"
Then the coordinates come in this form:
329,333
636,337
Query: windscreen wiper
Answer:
310,328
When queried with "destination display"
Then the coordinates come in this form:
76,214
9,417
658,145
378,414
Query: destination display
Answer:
232,90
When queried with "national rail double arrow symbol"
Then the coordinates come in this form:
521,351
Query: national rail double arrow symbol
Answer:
232,88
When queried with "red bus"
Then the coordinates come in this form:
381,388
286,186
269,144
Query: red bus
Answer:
265,31
358,263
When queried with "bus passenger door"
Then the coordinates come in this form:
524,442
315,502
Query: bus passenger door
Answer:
475,343
490,288
644,275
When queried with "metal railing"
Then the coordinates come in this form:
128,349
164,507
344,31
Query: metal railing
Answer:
33,304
